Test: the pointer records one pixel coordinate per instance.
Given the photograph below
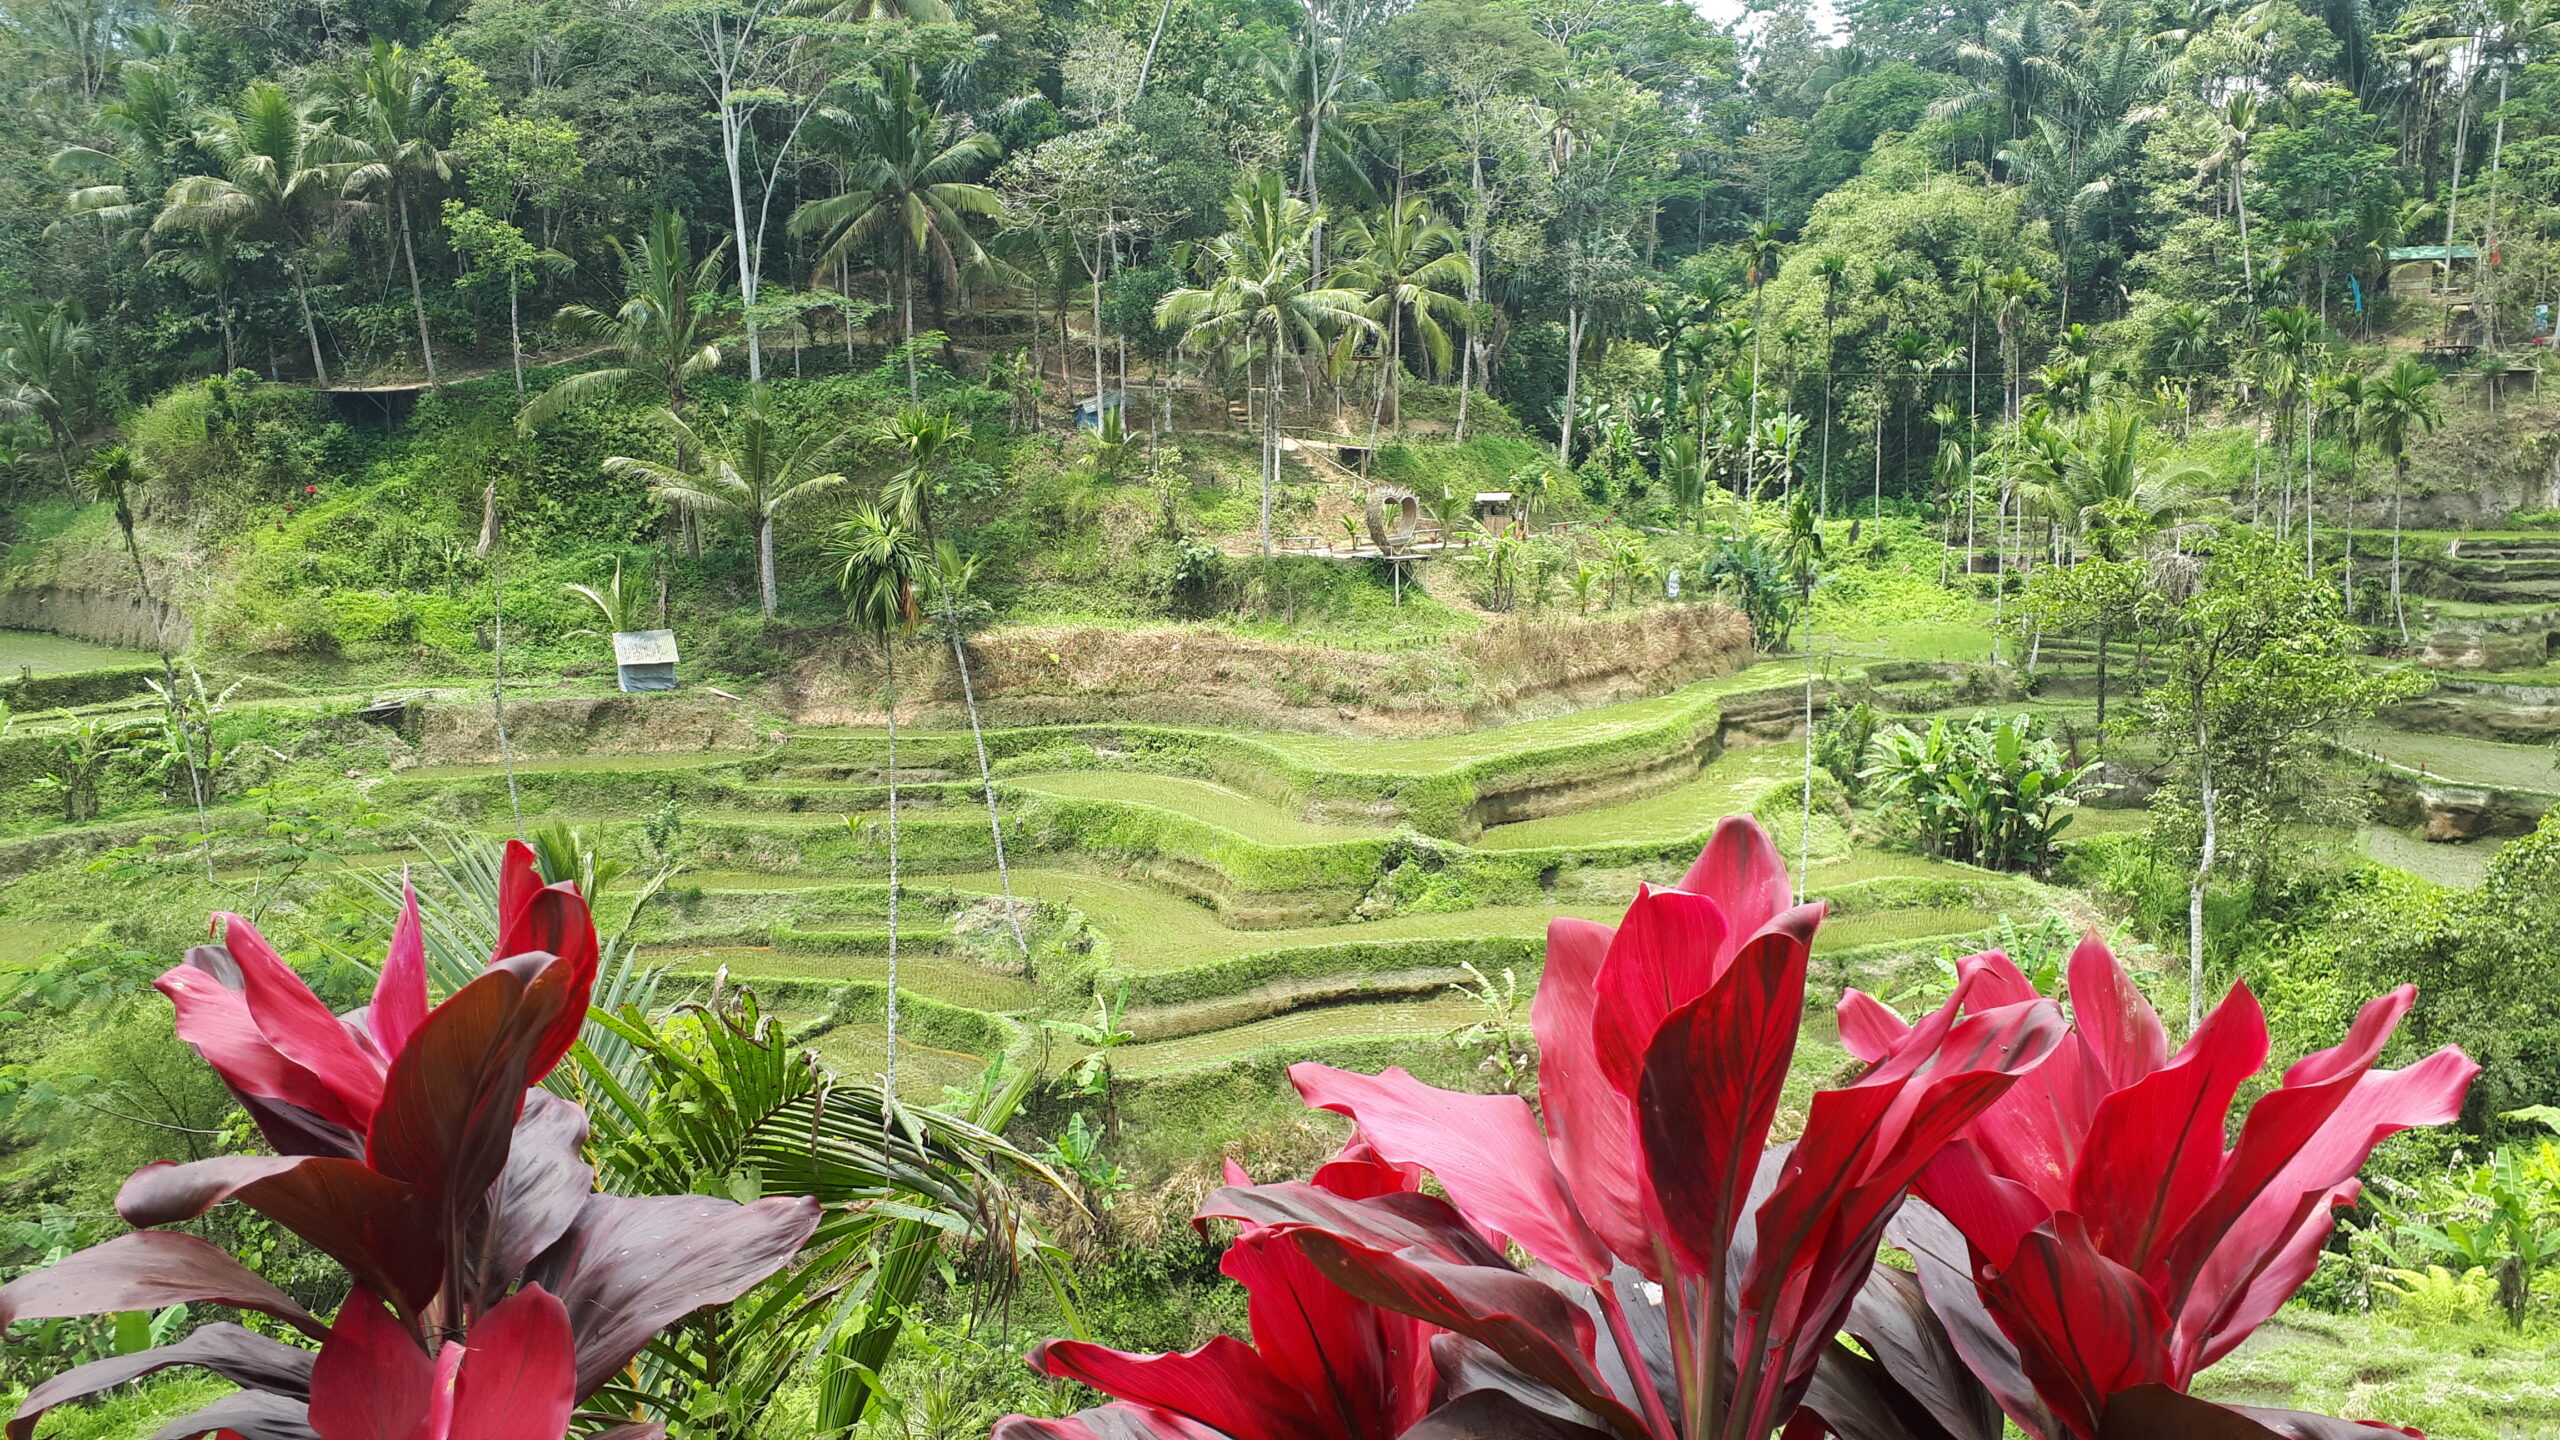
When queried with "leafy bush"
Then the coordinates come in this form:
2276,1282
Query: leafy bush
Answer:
1989,792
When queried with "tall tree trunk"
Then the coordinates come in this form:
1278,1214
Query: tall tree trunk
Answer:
418,296
2204,872
987,783
732,123
1572,383
169,677
222,312
1270,446
765,587
889,668
515,334
2399,484
310,327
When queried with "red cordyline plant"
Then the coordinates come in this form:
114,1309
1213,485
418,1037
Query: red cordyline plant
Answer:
2091,1243
1689,1280
1322,1365
493,1289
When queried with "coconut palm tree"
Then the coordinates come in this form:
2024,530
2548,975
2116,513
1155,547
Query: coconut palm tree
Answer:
282,172
1263,300
1407,258
758,474
2401,403
391,104
879,563
906,167
1885,279
44,350
2235,126
660,327
953,609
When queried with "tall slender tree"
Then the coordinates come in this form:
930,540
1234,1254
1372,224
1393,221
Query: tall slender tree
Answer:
2401,404
757,473
879,566
392,107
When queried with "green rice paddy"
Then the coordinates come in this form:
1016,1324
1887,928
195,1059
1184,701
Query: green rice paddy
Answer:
2463,760
1202,800
34,652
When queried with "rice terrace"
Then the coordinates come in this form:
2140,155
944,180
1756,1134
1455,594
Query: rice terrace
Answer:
1315,720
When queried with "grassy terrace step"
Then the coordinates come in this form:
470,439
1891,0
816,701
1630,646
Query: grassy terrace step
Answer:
950,980
2464,760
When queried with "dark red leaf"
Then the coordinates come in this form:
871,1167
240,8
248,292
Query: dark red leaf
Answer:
1108,1422
2119,1027
554,920
517,1372
1743,873
400,993
2085,1326
1590,1126
632,1265
450,1104
1855,1398
240,1356
248,1414
1711,1085
1391,1222
1223,1385
1670,947
2154,1146
1486,1150
1364,1373
372,1381
2156,1412
1869,1030
146,1270
1539,1332
383,1231
545,1185
1892,1322
1492,1415
216,1021
1945,1273
300,1028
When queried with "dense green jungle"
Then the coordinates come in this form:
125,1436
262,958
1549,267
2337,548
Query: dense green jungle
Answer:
1023,593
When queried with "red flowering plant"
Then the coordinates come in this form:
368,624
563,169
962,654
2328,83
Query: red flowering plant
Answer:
493,1289
1687,1280
2091,1242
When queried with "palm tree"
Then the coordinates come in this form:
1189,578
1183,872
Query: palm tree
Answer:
2187,344
1885,280
905,166
880,562
1405,258
210,260
1831,268
2236,124
924,438
759,475
281,176
660,326
2345,396
43,350
390,105
1263,300
2402,403
1762,251
948,600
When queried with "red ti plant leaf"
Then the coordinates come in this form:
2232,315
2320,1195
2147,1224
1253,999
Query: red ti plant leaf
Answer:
2112,1239
382,1230
147,1270
1322,1365
238,1355
1663,1046
372,1380
554,920
509,1378
400,994
1119,1421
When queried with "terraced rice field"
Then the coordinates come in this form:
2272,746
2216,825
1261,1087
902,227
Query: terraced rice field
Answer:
1207,991
2465,761
35,652
1202,800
